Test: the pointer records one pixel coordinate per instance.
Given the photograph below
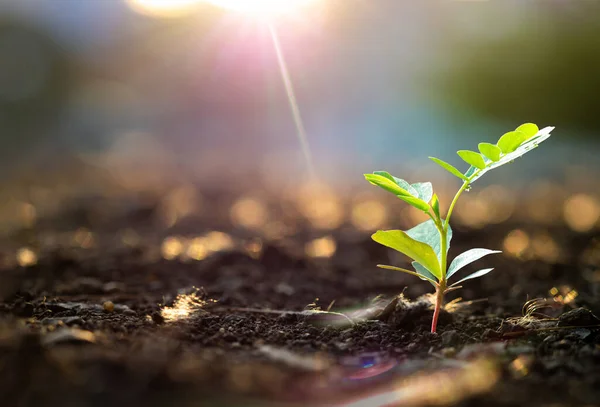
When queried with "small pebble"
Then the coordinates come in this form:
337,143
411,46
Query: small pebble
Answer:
109,306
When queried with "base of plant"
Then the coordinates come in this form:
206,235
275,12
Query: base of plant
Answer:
439,300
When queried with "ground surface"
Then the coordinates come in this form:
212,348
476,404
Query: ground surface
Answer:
109,321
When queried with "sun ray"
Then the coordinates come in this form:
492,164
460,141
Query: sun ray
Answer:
294,107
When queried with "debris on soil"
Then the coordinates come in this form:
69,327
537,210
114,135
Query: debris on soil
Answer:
578,317
108,306
406,314
66,336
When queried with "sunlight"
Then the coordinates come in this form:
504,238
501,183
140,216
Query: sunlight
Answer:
163,8
262,8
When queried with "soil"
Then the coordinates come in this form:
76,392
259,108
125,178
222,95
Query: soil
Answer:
106,320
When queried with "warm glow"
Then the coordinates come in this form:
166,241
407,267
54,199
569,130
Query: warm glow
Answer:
321,206
197,249
249,213
323,247
369,215
171,248
185,305
163,8
581,212
262,8
516,243
26,257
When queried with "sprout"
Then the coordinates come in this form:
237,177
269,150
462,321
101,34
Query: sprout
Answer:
427,244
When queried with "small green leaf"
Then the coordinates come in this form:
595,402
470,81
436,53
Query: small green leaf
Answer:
384,180
428,233
451,169
435,204
472,158
466,258
422,277
529,129
424,190
424,274
398,181
416,202
510,141
385,174
418,251
491,151
387,184
477,274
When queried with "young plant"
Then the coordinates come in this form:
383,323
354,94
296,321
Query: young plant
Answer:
427,244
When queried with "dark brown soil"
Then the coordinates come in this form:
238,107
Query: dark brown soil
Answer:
115,324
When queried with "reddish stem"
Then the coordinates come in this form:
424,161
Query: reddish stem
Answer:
439,299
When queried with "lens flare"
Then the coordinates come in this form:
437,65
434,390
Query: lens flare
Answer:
262,8
163,8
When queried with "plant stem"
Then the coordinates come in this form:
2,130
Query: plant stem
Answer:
462,189
443,229
439,299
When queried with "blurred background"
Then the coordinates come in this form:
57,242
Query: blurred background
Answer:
168,111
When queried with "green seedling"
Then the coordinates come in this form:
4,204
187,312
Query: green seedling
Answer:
427,244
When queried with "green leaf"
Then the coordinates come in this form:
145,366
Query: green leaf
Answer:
387,184
416,202
524,148
430,279
472,158
400,182
404,184
466,258
428,233
435,204
477,274
510,141
418,251
391,184
385,174
451,169
424,274
491,151
529,129
424,190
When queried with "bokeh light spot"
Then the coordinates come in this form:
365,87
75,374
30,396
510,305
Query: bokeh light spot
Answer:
545,248
516,242
320,206
249,213
26,257
323,247
196,249
581,212
368,215
171,248
218,241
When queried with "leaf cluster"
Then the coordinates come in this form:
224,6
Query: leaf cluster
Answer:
510,146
